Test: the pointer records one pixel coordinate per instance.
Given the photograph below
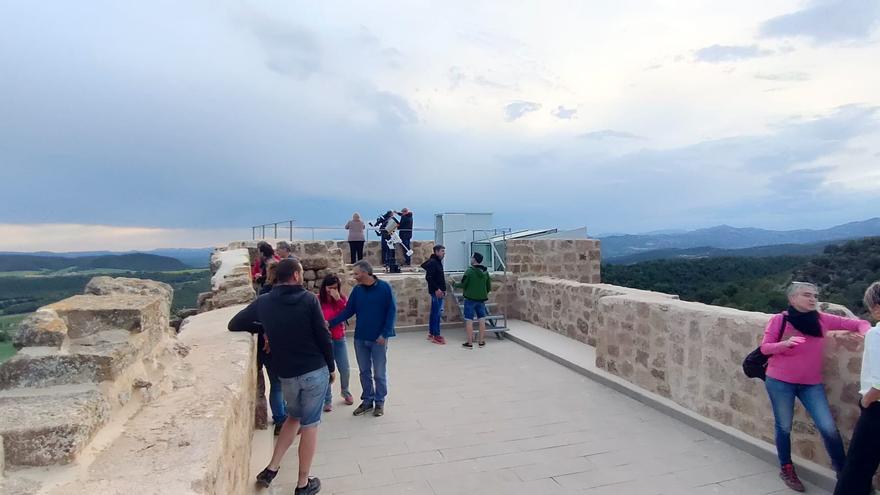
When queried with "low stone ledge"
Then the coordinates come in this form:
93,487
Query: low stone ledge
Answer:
50,427
195,439
89,314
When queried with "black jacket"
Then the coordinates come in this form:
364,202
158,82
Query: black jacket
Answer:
434,274
406,225
292,320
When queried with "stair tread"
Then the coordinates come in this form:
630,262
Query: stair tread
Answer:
39,429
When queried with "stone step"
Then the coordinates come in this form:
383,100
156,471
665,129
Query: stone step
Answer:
51,426
90,314
92,359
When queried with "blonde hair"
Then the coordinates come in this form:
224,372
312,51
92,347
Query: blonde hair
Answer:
872,296
271,272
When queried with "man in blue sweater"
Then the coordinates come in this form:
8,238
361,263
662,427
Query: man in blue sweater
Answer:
372,301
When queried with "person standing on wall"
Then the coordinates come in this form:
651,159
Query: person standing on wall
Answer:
794,340
436,279
372,301
301,353
356,237
864,447
406,233
476,284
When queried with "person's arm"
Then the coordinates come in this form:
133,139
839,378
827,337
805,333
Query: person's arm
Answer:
321,335
463,283
346,313
771,344
834,322
439,277
347,224
247,320
488,283
255,270
390,315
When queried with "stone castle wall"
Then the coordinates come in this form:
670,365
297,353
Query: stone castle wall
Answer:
692,353
565,306
577,260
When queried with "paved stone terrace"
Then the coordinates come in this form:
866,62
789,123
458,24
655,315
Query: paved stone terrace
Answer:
504,420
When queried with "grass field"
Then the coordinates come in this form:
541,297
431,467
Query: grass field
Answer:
8,326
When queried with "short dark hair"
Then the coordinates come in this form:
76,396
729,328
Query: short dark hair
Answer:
438,247
286,268
282,245
478,257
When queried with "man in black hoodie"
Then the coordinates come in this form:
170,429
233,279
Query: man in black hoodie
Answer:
437,290
301,354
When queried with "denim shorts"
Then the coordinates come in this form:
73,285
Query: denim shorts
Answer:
304,395
474,310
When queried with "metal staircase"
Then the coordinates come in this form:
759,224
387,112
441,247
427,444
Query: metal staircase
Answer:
495,321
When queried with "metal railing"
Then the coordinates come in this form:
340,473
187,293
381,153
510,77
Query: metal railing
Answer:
313,233
274,226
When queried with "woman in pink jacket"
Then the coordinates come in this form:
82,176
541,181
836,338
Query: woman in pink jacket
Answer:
795,342
332,303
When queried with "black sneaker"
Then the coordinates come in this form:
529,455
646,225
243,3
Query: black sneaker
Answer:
483,344
265,477
467,345
379,411
363,408
311,488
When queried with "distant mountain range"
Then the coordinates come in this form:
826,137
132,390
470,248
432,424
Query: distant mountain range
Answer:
192,257
728,238
140,262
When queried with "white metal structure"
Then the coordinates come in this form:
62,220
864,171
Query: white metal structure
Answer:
455,231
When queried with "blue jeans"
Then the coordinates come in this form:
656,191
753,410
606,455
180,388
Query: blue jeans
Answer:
340,355
782,395
276,398
434,318
372,359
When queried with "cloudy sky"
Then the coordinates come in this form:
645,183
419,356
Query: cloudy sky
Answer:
147,124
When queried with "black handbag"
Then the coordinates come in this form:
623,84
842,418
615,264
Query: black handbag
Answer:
755,364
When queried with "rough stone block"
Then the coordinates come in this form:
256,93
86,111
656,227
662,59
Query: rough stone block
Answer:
108,286
89,314
39,430
42,328
100,359
236,295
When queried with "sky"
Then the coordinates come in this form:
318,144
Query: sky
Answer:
135,125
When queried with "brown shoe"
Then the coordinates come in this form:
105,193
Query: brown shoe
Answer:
791,478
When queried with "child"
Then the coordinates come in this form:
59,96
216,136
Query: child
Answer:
476,284
864,449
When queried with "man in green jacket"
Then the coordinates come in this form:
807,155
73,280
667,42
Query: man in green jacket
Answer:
476,284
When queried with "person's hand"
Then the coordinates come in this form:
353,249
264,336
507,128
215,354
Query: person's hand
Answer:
438,293
794,341
266,345
380,340
332,378
863,403
334,293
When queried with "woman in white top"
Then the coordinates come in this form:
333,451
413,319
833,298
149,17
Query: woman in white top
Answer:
356,238
864,449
